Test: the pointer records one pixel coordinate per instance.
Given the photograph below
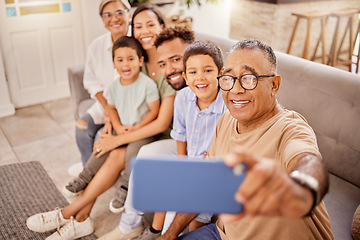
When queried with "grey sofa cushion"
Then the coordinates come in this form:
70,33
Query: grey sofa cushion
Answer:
355,227
342,200
329,99
77,90
84,106
224,43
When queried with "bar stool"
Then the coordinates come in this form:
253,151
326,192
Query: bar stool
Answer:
358,53
335,50
322,15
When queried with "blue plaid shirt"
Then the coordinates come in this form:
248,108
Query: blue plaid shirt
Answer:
193,126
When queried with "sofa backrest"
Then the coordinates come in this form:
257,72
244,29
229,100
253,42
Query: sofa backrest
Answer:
224,43
329,99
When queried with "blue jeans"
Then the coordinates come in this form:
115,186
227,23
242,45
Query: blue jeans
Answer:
209,231
85,137
132,218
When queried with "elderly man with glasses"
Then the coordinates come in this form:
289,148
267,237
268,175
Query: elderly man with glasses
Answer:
286,180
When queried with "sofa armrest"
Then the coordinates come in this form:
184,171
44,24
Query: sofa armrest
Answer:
77,91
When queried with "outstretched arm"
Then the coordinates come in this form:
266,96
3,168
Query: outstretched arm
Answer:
268,190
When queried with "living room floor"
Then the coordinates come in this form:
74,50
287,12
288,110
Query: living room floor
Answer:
46,133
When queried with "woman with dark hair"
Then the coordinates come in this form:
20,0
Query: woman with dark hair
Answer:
147,22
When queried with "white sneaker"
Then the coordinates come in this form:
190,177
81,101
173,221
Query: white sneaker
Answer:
43,222
117,203
73,230
116,234
75,187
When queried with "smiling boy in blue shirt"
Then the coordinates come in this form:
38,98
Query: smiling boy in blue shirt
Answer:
197,109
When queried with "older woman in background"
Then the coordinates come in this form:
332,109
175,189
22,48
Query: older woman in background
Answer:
99,72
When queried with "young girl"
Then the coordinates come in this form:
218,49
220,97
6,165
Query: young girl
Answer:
198,108
133,103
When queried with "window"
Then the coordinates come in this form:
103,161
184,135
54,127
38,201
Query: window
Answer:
26,7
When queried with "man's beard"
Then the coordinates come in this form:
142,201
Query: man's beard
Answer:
178,84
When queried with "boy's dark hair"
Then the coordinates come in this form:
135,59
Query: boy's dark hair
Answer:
130,42
144,7
204,48
168,34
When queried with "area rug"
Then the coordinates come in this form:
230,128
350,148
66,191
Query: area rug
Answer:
26,189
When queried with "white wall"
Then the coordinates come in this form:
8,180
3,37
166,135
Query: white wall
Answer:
92,22
6,107
210,18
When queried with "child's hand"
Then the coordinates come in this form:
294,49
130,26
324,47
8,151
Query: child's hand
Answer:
104,144
107,128
121,130
129,128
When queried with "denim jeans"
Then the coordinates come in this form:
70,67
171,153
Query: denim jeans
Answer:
132,218
94,163
169,218
207,232
85,137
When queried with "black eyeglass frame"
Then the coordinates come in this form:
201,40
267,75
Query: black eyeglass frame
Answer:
239,78
117,14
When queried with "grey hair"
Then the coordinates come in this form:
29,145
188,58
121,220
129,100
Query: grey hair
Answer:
256,44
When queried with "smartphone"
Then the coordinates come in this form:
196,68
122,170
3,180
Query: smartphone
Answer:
187,185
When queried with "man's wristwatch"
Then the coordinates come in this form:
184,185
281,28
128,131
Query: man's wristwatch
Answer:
308,182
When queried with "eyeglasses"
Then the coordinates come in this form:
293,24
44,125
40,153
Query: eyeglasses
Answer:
117,14
247,81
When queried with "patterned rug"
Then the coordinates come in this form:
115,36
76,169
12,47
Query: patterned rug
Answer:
26,189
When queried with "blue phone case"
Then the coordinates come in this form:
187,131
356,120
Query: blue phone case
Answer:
186,185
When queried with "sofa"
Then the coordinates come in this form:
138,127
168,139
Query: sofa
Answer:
328,98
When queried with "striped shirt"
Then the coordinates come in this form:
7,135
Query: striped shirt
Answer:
193,126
